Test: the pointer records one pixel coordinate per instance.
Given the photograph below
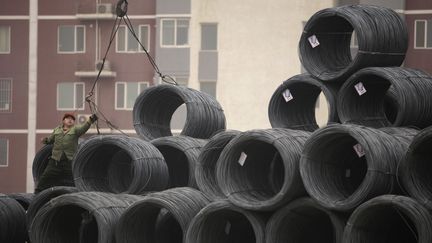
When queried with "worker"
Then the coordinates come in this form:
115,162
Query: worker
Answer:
65,142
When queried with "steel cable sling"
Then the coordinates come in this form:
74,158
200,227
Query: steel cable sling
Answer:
121,11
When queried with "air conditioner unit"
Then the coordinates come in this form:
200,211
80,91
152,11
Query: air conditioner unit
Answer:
104,8
82,118
107,65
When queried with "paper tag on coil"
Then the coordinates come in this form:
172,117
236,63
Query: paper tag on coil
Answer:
287,95
242,159
360,88
313,41
359,150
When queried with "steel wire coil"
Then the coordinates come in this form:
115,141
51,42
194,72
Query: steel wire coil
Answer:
404,133
305,221
155,106
40,162
12,221
205,171
409,101
343,166
259,169
325,45
24,199
389,218
181,156
119,164
294,101
89,217
415,169
143,222
40,199
221,222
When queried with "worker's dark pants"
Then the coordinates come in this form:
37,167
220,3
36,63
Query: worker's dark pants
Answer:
57,173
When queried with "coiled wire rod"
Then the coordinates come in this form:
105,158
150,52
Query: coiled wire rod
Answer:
171,210
45,196
415,169
405,92
86,217
259,169
181,156
343,166
155,106
324,46
222,222
119,164
389,218
305,221
24,199
40,162
293,103
12,221
205,171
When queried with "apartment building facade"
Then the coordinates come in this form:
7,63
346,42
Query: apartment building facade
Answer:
49,55
238,52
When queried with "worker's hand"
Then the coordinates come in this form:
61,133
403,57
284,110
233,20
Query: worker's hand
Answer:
44,140
93,118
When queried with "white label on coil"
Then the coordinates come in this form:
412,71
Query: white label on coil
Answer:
228,228
313,40
360,88
287,95
359,150
242,158
347,173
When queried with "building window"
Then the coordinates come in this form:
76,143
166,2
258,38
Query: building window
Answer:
209,88
127,92
209,36
175,32
5,36
126,42
423,34
70,96
4,152
71,39
5,95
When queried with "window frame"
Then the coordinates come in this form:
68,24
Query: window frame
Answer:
217,36
74,97
140,50
10,96
175,33
425,47
125,108
75,40
10,40
7,153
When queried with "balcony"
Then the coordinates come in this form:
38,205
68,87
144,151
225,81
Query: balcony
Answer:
85,72
100,11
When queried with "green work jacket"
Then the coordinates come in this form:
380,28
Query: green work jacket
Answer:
66,143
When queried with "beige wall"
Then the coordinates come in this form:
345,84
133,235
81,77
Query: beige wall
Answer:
257,47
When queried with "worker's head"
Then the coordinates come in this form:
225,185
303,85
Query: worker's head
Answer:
68,120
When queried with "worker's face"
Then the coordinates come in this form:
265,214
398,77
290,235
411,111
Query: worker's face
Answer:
68,121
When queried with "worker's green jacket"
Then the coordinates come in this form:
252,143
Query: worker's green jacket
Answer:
66,143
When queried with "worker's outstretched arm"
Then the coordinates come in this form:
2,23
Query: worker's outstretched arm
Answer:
49,139
80,130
